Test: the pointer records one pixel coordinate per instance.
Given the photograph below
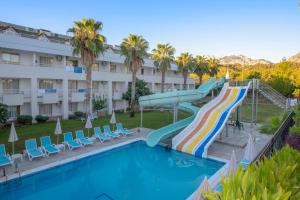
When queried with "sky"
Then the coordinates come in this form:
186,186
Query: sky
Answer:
268,29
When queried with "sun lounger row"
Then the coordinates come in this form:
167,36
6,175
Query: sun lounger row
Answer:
47,148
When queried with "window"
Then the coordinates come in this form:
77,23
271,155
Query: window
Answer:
12,112
73,85
45,61
46,84
154,71
96,86
11,58
73,63
142,71
114,86
10,86
73,107
113,67
45,109
96,67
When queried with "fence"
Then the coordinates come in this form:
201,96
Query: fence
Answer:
279,138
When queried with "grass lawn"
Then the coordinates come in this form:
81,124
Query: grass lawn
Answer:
264,112
154,120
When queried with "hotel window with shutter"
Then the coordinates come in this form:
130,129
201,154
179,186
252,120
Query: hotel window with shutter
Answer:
113,67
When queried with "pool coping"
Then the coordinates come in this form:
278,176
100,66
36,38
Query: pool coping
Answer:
67,160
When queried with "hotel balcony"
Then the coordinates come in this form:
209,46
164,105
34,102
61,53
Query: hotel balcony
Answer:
117,95
14,97
77,95
49,96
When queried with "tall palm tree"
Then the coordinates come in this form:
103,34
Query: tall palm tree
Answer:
134,49
185,63
89,43
163,56
201,67
213,67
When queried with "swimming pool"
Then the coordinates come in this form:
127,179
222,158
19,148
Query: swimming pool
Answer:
132,171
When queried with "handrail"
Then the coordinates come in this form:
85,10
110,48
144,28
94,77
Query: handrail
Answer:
279,138
272,90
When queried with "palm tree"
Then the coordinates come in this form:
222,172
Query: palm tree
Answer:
213,67
185,63
134,49
89,43
201,67
163,56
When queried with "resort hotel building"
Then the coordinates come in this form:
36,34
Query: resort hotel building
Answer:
40,75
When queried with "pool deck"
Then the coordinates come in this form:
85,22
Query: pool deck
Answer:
221,150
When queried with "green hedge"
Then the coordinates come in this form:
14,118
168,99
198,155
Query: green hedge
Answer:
277,178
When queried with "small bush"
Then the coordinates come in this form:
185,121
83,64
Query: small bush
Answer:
24,119
3,114
41,118
271,126
79,114
72,116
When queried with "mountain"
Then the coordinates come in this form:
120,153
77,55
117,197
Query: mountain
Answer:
241,60
295,58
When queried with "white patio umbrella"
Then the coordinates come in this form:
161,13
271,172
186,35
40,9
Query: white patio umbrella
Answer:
203,188
58,130
249,151
113,118
13,137
88,125
227,75
232,164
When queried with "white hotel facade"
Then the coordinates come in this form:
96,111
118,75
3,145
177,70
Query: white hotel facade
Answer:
37,74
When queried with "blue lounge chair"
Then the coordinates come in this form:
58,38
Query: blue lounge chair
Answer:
101,136
4,158
82,139
70,142
245,163
32,150
107,131
122,130
47,145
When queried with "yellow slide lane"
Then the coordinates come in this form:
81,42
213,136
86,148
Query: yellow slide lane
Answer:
211,122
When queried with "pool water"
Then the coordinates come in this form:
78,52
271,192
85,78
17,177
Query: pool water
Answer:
133,171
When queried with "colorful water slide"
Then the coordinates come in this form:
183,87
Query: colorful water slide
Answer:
209,122
181,99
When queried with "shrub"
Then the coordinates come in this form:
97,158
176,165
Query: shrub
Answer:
271,126
277,178
24,119
98,103
41,118
72,116
78,114
283,85
3,114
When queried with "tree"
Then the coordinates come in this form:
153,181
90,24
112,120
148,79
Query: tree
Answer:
141,89
200,67
134,49
185,64
99,103
3,114
163,56
89,43
213,66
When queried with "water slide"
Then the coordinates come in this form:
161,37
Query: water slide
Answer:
180,98
209,122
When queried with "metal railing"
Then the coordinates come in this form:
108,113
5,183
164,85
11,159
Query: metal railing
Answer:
278,140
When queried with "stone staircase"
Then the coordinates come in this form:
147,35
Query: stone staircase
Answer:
272,95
